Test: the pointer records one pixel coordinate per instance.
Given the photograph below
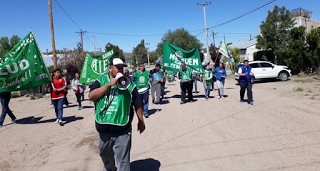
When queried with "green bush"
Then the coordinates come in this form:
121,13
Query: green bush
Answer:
32,98
299,89
15,95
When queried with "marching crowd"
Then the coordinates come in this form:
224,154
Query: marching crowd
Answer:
114,108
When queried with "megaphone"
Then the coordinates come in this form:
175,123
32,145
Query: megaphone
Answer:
123,82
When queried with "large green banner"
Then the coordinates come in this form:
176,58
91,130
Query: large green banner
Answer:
94,66
173,56
23,67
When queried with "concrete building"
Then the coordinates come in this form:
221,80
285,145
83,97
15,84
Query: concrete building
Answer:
247,48
302,17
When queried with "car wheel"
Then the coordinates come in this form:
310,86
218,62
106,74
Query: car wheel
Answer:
283,76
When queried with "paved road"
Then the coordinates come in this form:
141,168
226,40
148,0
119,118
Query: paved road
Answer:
279,132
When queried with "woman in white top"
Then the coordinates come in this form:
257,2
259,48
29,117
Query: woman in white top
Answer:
78,89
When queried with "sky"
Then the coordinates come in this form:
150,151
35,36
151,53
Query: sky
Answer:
126,22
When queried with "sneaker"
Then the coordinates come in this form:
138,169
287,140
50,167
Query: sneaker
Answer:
241,101
191,101
56,121
219,97
182,102
222,97
1,125
79,108
153,101
146,115
251,103
13,121
60,122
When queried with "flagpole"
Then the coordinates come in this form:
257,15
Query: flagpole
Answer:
40,51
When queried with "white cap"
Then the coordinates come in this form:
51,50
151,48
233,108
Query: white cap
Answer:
117,62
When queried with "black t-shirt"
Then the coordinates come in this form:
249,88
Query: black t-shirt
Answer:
105,128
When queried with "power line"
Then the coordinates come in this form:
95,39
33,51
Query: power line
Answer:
67,14
116,34
243,14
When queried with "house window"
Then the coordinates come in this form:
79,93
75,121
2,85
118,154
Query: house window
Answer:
243,51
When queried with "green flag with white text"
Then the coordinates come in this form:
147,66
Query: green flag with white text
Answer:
22,67
173,56
94,66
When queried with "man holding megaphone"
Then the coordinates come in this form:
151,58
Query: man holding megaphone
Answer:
115,96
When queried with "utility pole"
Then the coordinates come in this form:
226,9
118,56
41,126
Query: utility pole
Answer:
205,27
94,43
52,36
81,33
147,44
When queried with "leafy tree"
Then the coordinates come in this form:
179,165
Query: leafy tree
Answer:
181,38
118,53
139,54
296,53
313,40
236,57
6,45
275,31
153,57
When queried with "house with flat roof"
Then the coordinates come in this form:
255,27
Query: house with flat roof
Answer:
247,48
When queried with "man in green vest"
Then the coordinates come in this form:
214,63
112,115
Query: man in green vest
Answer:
185,75
142,78
114,113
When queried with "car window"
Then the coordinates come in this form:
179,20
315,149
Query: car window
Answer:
265,65
255,65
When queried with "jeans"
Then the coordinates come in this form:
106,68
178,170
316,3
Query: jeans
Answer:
58,107
212,82
115,148
79,96
243,87
195,85
145,101
65,100
156,88
220,86
186,86
5,99
207,90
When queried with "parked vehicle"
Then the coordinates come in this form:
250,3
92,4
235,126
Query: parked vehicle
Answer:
266,70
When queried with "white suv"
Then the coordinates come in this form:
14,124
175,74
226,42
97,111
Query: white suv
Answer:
264,70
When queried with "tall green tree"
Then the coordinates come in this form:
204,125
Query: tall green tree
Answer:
6,45
275,31
139,54
118,53
153,57
313,40
181,38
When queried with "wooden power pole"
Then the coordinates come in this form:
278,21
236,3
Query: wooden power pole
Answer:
52,36
81,34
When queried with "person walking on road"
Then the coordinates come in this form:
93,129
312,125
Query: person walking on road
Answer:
207,76
78,89
186,83
58,94
245,75
142,77
221,75
157,86
113,116
5,99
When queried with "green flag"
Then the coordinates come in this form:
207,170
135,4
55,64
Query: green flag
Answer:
94,66
173,56
23,67
224,50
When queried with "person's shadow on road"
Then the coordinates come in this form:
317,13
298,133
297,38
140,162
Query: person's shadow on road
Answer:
145,165
37,120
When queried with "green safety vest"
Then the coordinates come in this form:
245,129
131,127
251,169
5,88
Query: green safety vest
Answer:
207,75
185,76
118,112
142,79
